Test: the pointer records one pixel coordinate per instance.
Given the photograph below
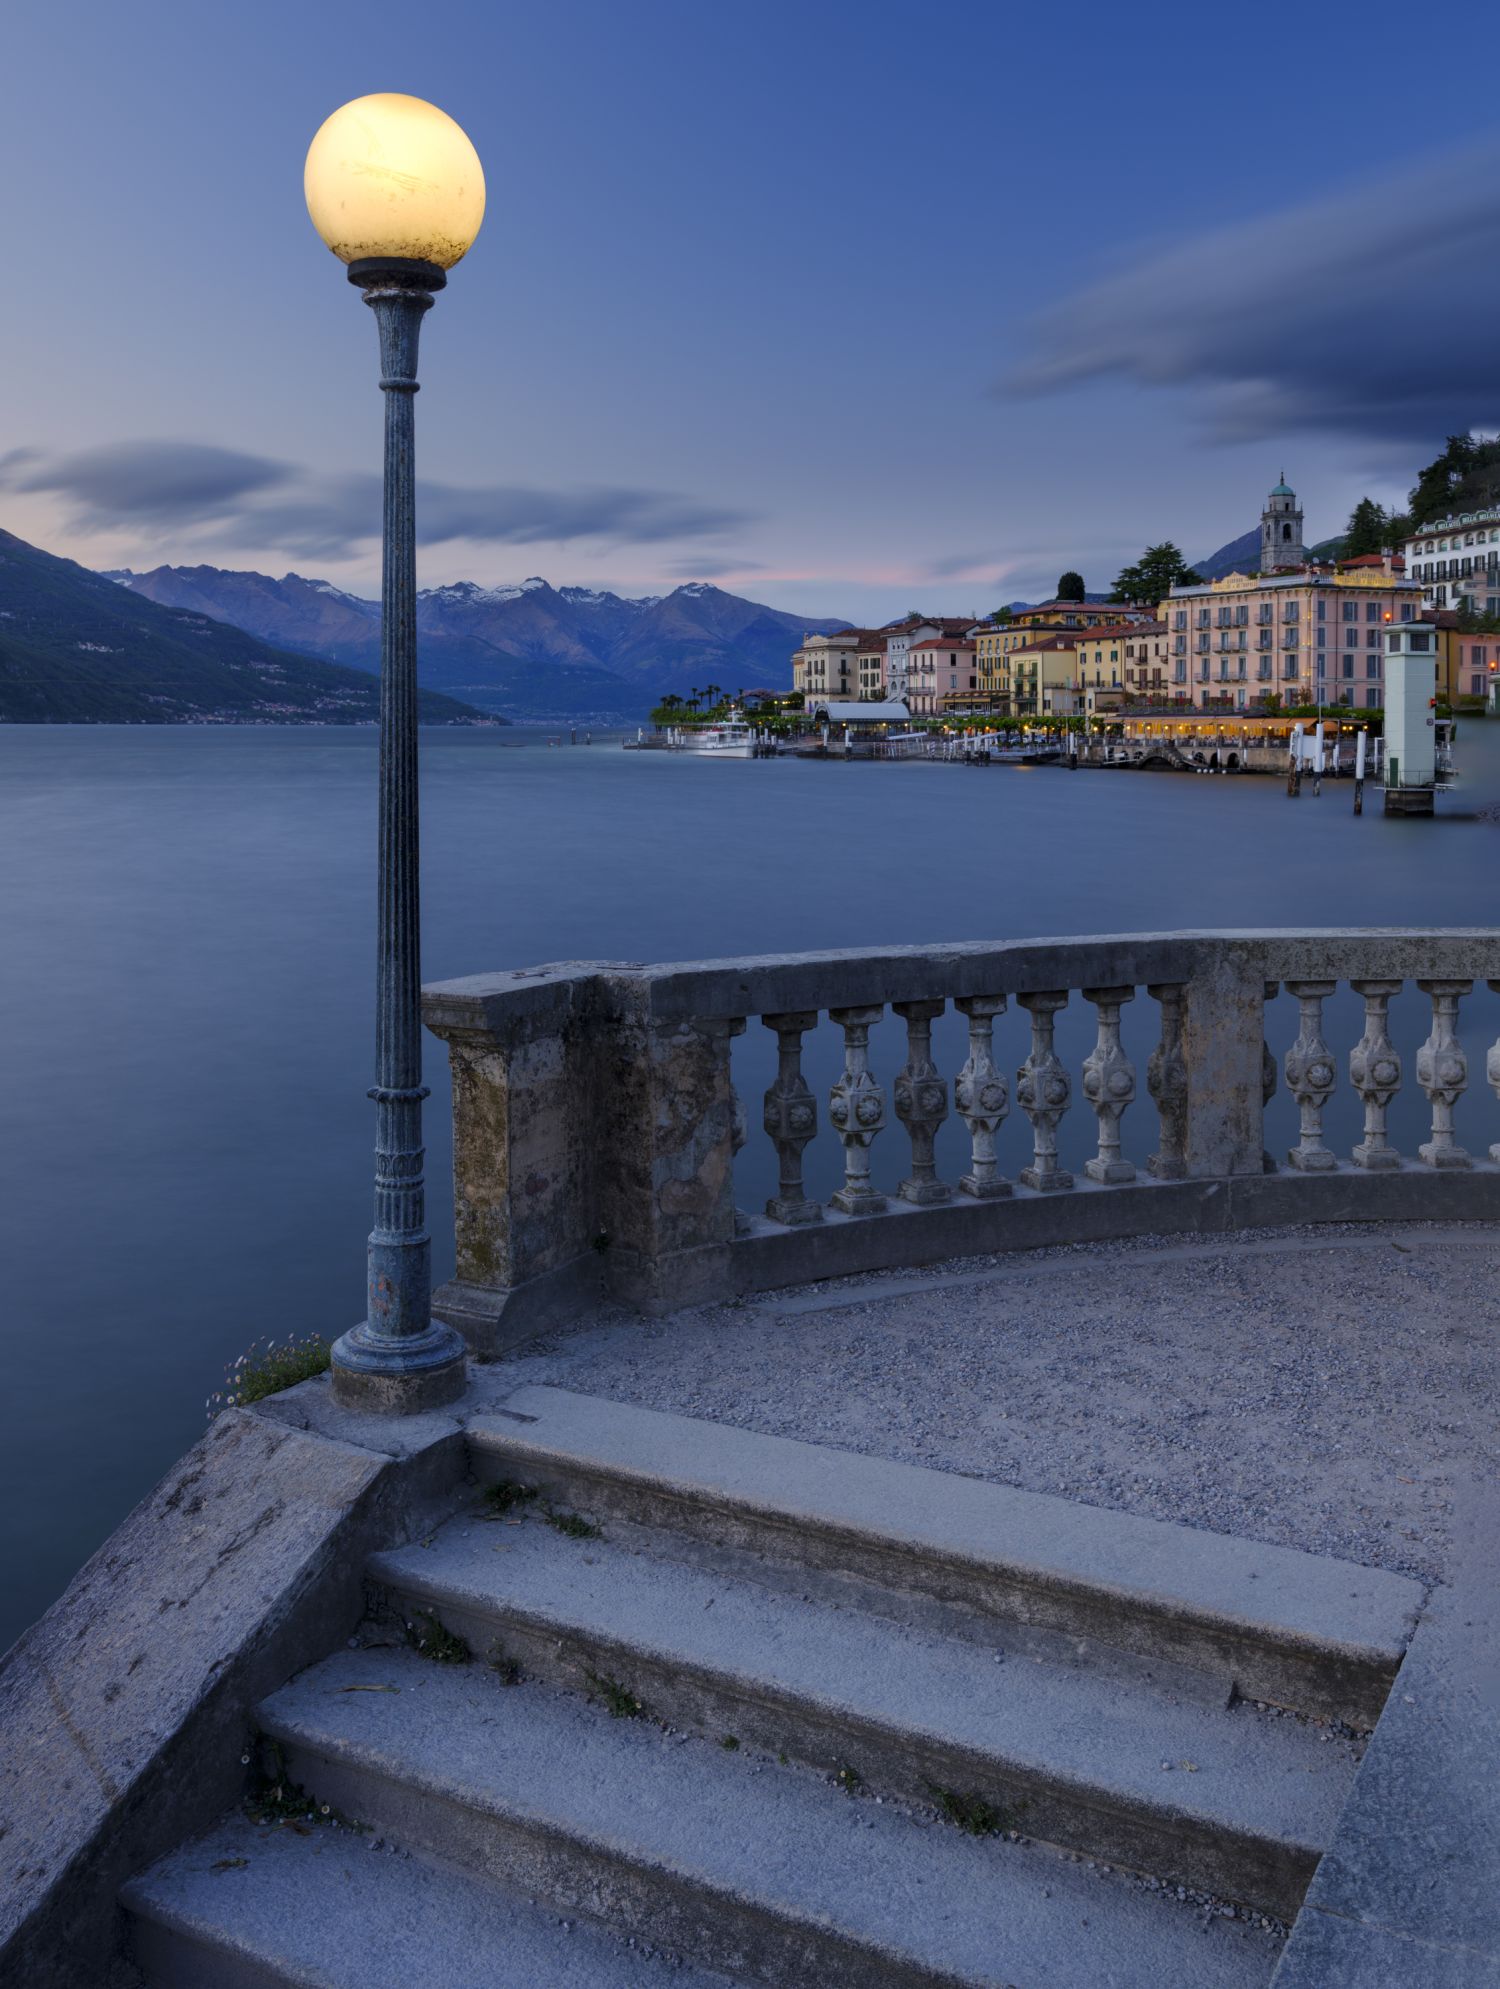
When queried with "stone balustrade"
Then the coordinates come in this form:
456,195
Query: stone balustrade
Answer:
596,1120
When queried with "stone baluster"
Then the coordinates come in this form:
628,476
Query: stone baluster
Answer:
1109,1084
982,1097
1492,1069
921,1102
1375,1073
791,1118
1268,1079
1167,1082
1043,1089
1310,1076
856,1109
1443,1072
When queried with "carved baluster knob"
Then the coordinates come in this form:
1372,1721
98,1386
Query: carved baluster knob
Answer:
856,1109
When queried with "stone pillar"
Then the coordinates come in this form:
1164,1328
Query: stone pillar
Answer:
1167,1082
1043,1091
1492,1069
1109,1084
1375,1073
1443,1072
982,1097
1310,1077
522,1179
1268,1076
921,1101
791,1117
739,1126
856,1110
1223,1037
664,1120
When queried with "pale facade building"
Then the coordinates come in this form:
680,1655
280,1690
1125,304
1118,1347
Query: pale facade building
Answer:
1458,558
870,660
1309,637
827,666
1126,663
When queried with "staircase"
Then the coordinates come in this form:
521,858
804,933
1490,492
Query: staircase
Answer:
673,1701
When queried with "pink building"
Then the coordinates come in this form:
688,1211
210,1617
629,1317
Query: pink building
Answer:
938,668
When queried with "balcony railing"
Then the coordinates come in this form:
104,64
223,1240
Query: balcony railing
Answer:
597,1121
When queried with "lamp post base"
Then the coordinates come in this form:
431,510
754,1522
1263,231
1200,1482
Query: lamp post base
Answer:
402,1377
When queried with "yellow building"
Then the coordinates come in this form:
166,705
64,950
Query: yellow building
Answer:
996,642
1044,676
1125,663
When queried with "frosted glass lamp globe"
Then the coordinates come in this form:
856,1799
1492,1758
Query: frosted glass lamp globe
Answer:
393,176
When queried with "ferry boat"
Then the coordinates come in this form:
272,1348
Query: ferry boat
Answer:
731,738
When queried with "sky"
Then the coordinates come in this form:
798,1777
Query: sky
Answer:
849,308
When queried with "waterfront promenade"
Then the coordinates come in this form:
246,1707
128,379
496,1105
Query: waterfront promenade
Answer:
1053,1571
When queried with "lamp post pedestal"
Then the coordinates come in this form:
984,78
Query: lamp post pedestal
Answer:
399,1359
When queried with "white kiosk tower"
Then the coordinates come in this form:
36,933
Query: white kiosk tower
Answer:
1410,718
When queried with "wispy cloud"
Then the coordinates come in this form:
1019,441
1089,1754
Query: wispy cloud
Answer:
206,495
707,568
1369,312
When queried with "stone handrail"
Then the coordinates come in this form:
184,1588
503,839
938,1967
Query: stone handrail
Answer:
596,1120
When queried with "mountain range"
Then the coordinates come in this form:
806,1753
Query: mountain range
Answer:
532,651
76,649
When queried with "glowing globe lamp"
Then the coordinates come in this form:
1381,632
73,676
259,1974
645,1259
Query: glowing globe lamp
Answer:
393,177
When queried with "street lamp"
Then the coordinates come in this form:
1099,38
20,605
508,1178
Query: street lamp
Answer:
397,192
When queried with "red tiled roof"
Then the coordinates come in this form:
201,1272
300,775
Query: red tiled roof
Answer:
1114,630
942,642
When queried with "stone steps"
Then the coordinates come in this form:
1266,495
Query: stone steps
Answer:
1297,1630
266,1908
738,1862
819,1666
1131,1762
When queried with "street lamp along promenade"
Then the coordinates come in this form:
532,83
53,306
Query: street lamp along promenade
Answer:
396,190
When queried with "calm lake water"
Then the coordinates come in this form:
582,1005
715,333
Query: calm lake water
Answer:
186,943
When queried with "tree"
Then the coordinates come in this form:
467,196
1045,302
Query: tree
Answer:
1366,531
1001,617
1070,587
1158,570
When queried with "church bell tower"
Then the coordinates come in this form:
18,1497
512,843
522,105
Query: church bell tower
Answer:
1281,529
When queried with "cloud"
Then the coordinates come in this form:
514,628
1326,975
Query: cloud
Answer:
207,495
1369,312
712,569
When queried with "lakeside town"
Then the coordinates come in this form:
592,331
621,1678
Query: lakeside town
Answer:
1245,656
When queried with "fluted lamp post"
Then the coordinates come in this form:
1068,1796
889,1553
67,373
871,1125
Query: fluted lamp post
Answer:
396,190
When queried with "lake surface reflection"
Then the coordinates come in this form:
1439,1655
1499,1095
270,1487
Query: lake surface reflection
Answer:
185,1000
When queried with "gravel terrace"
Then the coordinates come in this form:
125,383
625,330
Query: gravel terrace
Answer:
1333,1389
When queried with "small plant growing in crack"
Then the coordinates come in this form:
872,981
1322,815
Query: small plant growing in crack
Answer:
849,1779
430,1638
573,1524
502,1499
973,1815
622,1705
730,1743
505,1668
277,1799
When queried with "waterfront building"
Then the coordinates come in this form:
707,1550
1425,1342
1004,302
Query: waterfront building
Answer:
828,665
1125,663
1310,637
870,660
1044,675
1281,530
901,636
1457,560
940,667
996,642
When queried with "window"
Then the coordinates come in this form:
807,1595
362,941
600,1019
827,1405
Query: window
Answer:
1476,687
1348,666
1351,611
1372,666
1372,700
1372,611
1322,609
1351,637
1322,637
